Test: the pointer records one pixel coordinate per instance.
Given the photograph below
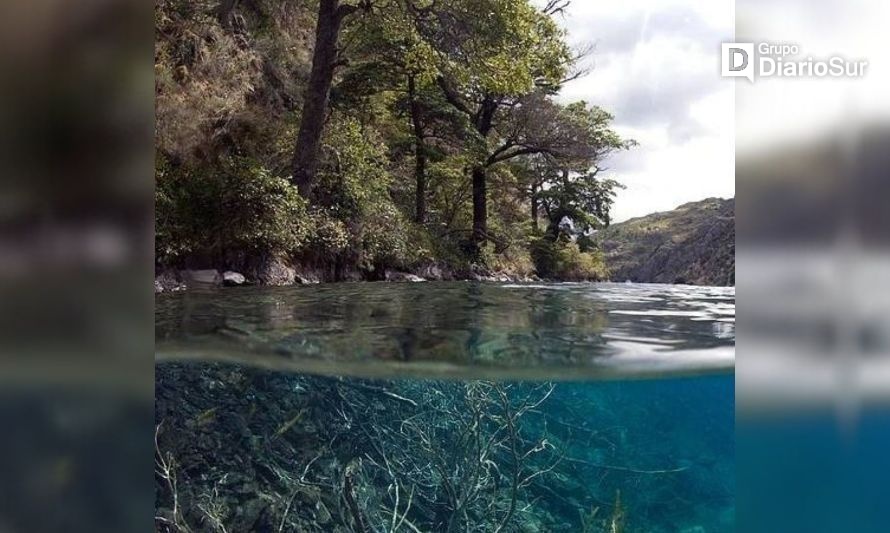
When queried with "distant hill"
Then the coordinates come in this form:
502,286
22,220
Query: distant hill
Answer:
693,244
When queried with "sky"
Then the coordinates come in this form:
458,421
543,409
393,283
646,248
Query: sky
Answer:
655,65
777,111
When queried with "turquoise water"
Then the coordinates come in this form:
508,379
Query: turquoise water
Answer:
446,407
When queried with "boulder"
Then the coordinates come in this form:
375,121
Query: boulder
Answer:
304,278
202,278
233,279
392,275
276,272
435,272
168,281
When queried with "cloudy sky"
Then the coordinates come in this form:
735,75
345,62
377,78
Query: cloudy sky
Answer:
656,67
777,111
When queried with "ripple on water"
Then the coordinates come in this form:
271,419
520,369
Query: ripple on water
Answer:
457,329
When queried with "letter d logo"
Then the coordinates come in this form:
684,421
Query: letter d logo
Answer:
737,60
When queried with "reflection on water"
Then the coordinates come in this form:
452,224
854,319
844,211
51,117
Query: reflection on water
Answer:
456,328
324,409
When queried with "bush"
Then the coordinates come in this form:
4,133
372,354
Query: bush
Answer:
563,259
353,188
237,207
513,260
329,237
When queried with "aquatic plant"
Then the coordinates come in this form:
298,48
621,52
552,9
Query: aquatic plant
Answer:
614,524
588,520
166,465
243,450
456,450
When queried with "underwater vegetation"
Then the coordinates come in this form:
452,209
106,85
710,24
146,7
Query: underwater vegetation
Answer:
239,449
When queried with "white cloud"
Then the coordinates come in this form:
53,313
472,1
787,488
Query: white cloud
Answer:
777,111
656,68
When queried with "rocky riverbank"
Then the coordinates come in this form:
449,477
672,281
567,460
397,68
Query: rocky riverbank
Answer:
693,244
278,272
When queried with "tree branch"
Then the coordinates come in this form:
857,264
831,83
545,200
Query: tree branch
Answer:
452,97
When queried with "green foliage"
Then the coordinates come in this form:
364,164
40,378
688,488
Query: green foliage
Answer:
228,106
329,237
353,180
358,222
507,52
214,93
513,260
238,206
583,198
563,259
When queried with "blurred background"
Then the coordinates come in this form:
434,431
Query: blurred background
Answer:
813,275
76,303
76,233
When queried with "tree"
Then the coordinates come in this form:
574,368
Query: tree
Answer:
562,171
487,65
331,14
584,198
392,57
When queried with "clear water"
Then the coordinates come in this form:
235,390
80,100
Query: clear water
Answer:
458,329
461,406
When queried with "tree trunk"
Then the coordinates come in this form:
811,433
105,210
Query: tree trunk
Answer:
534,201
315,101
484,122
480,207
419,155
224,12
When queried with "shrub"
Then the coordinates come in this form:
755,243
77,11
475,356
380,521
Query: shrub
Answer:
329,237
353,187
238,206
513,260
383,240
563,259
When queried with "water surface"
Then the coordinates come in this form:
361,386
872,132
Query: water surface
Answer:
445,407
464,329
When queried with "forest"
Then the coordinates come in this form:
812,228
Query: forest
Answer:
354,139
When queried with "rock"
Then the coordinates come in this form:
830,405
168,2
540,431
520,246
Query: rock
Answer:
567,226
201,278
351,275
693,244
275,271
168,282
308,276
392,275
431,272
232,279
435,272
